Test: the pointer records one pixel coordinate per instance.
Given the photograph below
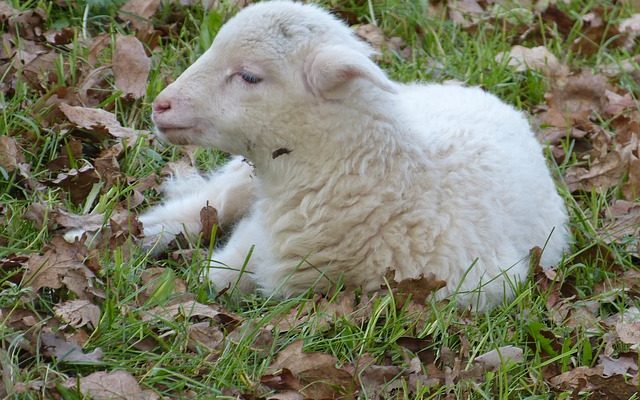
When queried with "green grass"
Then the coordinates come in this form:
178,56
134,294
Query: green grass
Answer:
158,353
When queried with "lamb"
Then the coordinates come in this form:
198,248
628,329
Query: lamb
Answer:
344,173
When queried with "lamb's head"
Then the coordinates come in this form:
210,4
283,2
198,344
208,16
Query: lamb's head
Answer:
268,72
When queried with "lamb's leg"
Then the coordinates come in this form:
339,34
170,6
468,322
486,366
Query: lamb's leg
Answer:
230,190
236,262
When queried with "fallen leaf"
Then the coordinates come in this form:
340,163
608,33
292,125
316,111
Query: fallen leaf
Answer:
96,119
206,335
316,372
78,313
78,182
622,224
208,222
131,66
63,350
111,386
537,58
503,355
61,264
186,309
585,379
629,333
416,289
160,284
10,155
259,339
423,348
631,28
372,34
617,104
60,36
617,366
139,12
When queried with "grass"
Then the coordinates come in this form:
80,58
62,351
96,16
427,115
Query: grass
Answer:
159,353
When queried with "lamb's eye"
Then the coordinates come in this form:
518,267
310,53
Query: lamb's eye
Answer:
250,78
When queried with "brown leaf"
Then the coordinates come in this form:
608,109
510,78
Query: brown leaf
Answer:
27,24
10,155
208,220
206,335
117,385
372,34
18,318
315,371
579,96
185,309
603,173
95,119
63,350
282,380
537,58
629,333
622,224
78,313
416,289
630,27
138,13
616,104
423,348
131,66
107,166
617,366
161,284
78,182
60,36
260,338
592,380
61,264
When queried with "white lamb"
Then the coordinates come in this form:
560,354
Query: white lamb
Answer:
348,173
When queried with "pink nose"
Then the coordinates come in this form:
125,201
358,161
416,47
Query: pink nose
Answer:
161,105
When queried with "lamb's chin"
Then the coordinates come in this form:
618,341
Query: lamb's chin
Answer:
177,136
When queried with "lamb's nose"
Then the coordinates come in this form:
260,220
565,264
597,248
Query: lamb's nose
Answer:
161,105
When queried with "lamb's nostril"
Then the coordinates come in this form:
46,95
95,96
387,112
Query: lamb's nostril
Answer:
160,106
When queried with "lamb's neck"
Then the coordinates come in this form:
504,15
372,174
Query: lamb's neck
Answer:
374,147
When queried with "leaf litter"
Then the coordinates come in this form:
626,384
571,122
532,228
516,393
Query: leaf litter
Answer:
590,108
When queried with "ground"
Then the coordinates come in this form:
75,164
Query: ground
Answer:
103,319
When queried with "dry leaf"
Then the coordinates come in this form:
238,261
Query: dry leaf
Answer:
96,119
592,380
77,182
131,66
631,28
504,355
78,313
187,309
139,12
617,366
10,155
63,350
203,334
629,333
61,264
117,385
316,373
622,224
536,58
417,289
208,220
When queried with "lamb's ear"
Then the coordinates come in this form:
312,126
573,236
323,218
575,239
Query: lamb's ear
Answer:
330,70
